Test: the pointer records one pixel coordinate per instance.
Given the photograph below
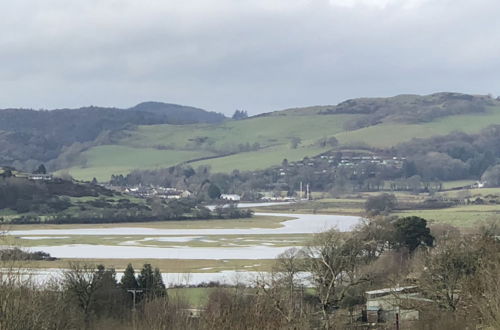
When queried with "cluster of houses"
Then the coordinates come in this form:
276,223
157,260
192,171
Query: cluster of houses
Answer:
12,172
396,162
153,192
270,198
335,161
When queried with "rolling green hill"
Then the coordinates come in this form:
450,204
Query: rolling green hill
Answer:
265,140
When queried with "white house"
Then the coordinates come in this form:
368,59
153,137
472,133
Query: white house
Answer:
40,177
230,197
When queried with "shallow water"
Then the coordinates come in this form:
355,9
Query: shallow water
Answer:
230,277
300,224
175,252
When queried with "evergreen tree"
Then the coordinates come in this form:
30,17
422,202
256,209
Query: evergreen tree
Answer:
41,170
213,191
159,287
128,280
412,232
240,114
151,281
146,278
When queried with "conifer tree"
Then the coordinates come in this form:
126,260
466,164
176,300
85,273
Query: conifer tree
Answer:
128,280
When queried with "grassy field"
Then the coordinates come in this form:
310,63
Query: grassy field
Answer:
194,297
203,241
457,184
165,265
103,161
156,146
140,148
253,222
259,159
345,206
267,131
466,216
389,134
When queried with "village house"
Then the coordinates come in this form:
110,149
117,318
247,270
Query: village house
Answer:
40,177
230,197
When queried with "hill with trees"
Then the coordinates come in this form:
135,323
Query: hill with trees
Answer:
263,141
99,142
42,198
28,137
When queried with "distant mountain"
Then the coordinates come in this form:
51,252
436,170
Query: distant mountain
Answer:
179,114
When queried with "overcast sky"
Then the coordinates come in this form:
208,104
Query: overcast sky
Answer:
256,55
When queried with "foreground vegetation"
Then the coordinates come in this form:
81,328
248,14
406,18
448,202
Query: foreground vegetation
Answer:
455,273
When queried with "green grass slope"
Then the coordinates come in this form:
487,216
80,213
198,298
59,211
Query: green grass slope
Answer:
390,134
103,161
268,137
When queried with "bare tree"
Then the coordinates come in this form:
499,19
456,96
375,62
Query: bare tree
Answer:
284,287
80,281
334,259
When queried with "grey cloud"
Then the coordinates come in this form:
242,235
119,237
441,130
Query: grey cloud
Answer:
257,55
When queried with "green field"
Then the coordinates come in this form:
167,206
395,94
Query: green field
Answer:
243,223
194,297
165,265
103,161
268,138
344,206
267,131
466,216
457,184
207,241
165,145
390,134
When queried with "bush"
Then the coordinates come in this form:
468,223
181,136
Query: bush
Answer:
383,203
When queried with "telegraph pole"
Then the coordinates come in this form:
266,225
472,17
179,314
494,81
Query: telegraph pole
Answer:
134,294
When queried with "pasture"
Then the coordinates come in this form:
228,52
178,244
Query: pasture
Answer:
254,143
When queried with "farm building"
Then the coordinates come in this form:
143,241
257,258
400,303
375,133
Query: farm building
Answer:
230,197
394,305
40,177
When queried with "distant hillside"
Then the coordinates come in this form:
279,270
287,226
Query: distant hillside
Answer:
265,140
179,114
407,109
98,142
28,137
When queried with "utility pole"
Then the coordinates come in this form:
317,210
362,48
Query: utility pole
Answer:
300,196
134,294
